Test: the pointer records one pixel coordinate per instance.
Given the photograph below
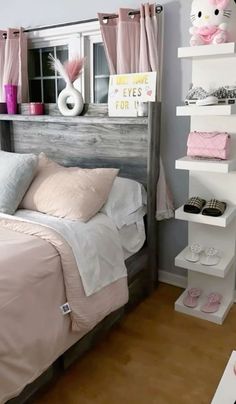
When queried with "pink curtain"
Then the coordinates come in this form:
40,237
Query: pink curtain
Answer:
131,46
109,35
152,35
14,62
144,64
128,42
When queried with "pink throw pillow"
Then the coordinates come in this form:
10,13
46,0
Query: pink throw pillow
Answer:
72,193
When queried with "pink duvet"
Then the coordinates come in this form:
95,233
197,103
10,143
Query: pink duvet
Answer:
38,274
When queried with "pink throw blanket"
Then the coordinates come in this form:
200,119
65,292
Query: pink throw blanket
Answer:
38,273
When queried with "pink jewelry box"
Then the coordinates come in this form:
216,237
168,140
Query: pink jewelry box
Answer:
213,145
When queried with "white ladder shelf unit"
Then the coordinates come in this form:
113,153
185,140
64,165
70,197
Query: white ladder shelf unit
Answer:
212,66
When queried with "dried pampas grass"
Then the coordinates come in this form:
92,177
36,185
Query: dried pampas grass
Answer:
70,70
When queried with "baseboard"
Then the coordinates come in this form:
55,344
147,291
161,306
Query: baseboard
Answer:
176,280
172,279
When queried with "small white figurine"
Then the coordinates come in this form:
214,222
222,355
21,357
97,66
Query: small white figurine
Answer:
213,21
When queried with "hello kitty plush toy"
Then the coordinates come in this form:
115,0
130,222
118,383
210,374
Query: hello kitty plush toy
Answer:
210,20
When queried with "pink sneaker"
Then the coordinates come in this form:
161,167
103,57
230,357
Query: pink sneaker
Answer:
213,303
191,298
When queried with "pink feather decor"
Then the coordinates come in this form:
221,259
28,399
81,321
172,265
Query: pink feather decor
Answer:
70,70
73,68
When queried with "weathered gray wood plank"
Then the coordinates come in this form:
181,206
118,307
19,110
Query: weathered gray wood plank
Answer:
92,114
6,136
85,139
73,120
88,145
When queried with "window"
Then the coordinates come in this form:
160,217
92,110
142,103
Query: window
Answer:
82,40
44,82
101,74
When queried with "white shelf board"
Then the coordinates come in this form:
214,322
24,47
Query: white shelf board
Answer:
213,166
221,221
207,50
219,270
217,318
209,110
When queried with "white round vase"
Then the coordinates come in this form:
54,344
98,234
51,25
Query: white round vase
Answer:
76,99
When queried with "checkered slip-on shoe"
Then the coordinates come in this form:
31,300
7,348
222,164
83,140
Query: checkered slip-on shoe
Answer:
214,208
225,92
194,205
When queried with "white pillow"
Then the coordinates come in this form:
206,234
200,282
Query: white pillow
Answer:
126,203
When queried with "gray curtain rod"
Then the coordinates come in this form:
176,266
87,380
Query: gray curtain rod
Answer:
159,9
65,24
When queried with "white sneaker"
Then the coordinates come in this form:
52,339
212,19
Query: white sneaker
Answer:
210,100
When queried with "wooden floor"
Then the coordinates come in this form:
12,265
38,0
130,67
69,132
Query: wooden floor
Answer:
155,356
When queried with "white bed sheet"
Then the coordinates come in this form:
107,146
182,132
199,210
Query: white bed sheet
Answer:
98,246
132,238
95,245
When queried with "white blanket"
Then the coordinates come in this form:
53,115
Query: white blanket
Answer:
95,245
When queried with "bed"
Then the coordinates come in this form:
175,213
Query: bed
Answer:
92,140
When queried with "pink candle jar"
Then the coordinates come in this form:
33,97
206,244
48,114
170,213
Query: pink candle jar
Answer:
36,108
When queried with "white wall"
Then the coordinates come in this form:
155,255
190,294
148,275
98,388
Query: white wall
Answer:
31,13
176,80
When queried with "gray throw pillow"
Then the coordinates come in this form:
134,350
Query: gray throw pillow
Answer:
16,173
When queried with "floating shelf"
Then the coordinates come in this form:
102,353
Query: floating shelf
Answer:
207,50
219,270
221,221
213,166
217,318
209,110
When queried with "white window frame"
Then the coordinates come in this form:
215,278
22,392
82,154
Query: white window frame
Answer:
80,39
42,78
93,39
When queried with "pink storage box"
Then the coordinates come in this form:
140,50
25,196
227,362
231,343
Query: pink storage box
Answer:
213,145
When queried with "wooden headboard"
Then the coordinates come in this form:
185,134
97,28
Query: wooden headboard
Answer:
94,140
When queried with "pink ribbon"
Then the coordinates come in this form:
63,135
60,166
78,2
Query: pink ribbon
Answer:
220,4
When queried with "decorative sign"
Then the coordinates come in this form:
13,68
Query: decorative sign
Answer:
126,91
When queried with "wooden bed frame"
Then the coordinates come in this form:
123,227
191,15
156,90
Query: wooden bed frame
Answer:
95,140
